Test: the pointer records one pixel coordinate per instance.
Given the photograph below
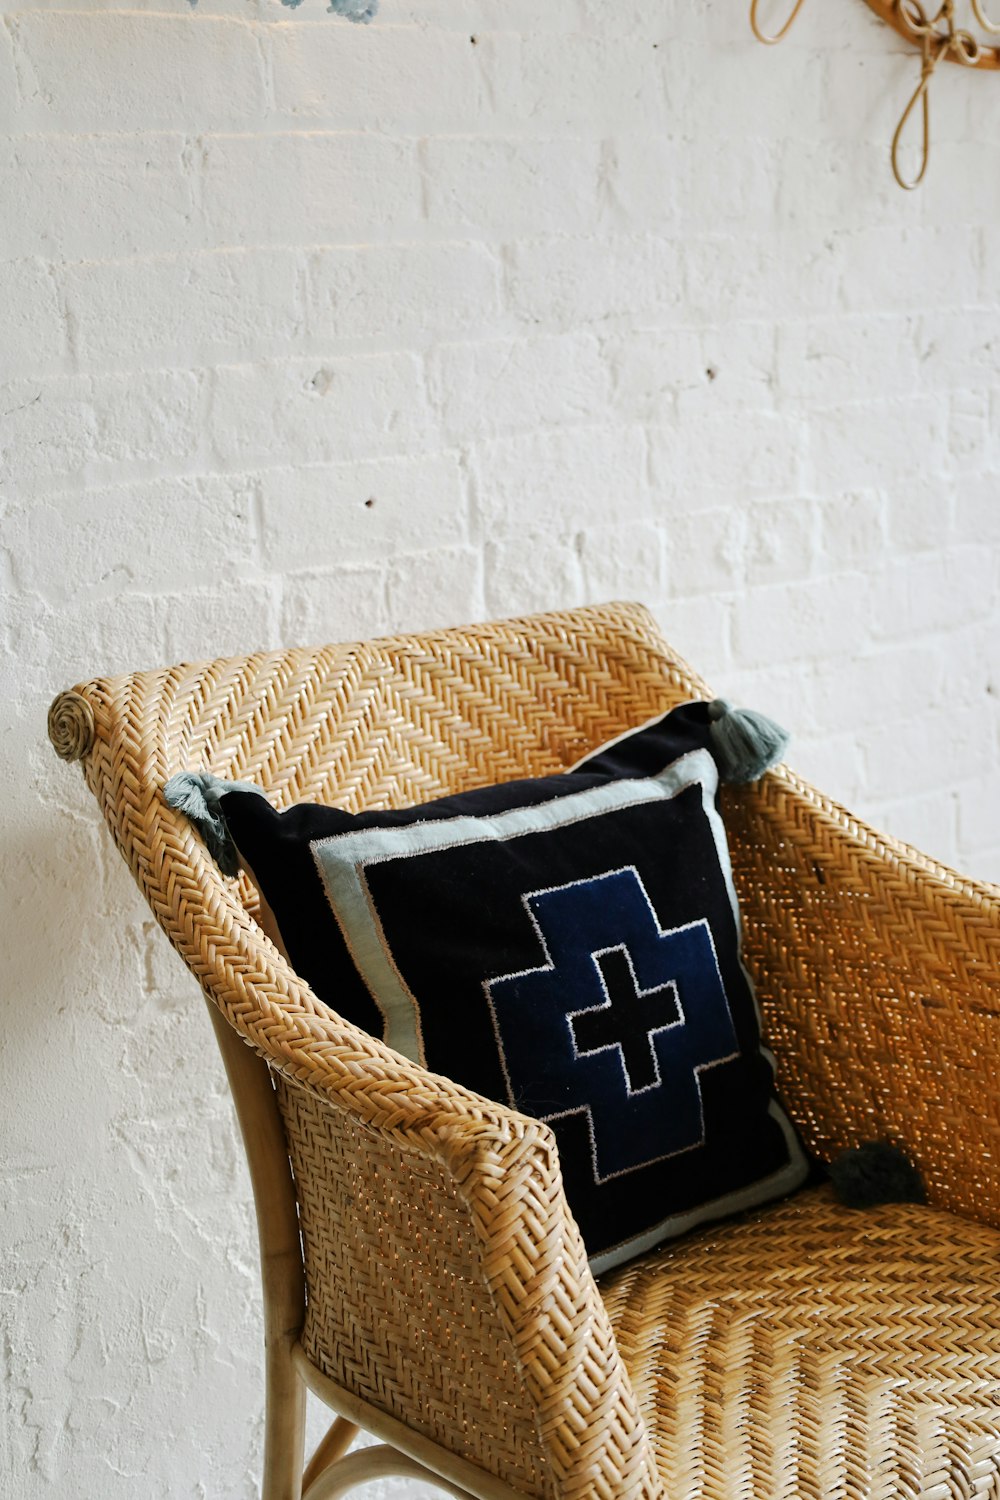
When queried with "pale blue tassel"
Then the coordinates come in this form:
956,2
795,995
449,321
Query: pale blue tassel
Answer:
196,794
746,744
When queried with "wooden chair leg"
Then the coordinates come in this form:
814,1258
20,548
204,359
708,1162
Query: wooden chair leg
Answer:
285,1425
331,1447
282,1276
374,1463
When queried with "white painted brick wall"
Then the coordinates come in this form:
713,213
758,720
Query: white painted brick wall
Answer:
589,300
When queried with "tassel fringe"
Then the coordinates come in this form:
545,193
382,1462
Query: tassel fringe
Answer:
745,743
196,794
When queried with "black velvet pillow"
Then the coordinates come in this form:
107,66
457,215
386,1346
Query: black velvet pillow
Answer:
569,945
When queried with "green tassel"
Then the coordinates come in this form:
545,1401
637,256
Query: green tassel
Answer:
745,743
196,794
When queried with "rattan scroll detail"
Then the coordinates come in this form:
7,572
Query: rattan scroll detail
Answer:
913,22
769,38
940,39
71,726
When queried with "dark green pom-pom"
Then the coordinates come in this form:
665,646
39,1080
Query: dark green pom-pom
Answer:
875,1172
744,742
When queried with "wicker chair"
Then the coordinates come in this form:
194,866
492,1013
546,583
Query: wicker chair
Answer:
422,1274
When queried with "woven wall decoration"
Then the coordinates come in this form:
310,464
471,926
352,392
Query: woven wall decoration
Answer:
939,37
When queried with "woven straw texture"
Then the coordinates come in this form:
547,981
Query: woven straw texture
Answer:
812,1351
447,1283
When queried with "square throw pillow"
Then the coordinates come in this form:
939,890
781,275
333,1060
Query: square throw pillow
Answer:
568,945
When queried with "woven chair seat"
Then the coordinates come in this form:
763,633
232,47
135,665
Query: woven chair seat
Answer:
811,1350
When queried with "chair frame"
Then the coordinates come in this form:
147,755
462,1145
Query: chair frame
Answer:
878,972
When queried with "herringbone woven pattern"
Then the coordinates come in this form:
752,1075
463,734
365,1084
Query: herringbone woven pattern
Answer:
441,1259
424,1301
879,975
809,1353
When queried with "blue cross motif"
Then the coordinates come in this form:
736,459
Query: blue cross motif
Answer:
617,1024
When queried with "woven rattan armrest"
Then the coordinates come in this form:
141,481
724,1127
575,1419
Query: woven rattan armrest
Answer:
879,975
541,1339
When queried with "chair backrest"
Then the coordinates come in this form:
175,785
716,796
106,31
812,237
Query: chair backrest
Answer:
446,1283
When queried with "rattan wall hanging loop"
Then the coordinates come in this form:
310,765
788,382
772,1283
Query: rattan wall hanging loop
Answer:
939,38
